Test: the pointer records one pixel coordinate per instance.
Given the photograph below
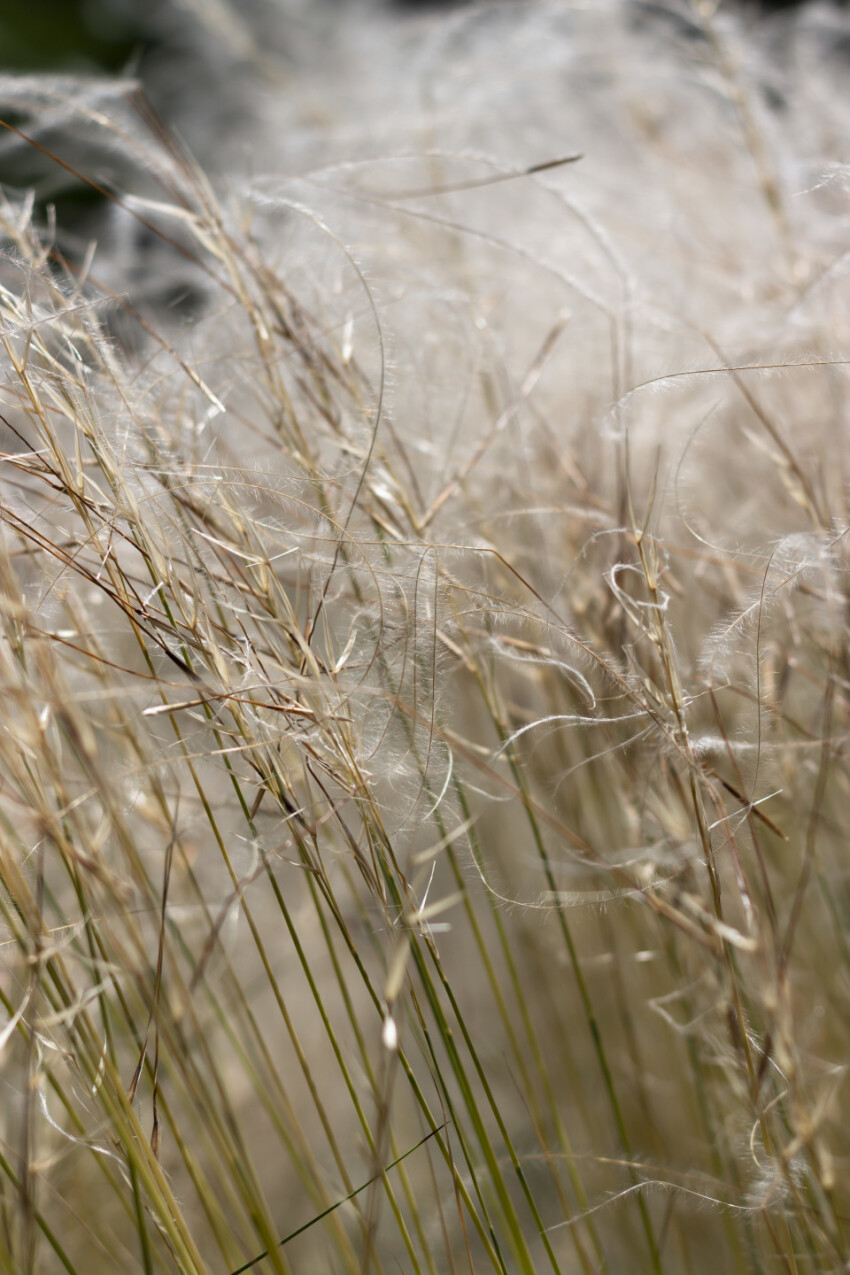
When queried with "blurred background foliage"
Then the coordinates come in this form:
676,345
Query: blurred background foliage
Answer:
68,37
74,35
92,36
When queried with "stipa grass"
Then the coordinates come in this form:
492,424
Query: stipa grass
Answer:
425,679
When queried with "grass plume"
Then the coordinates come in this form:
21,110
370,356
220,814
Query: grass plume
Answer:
424,661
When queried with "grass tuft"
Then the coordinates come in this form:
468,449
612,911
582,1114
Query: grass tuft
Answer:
424,663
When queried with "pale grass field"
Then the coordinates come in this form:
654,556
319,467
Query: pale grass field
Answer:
423,585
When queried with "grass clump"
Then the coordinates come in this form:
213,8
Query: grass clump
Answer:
423,590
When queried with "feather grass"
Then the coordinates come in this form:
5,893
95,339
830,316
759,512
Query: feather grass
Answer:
424,667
